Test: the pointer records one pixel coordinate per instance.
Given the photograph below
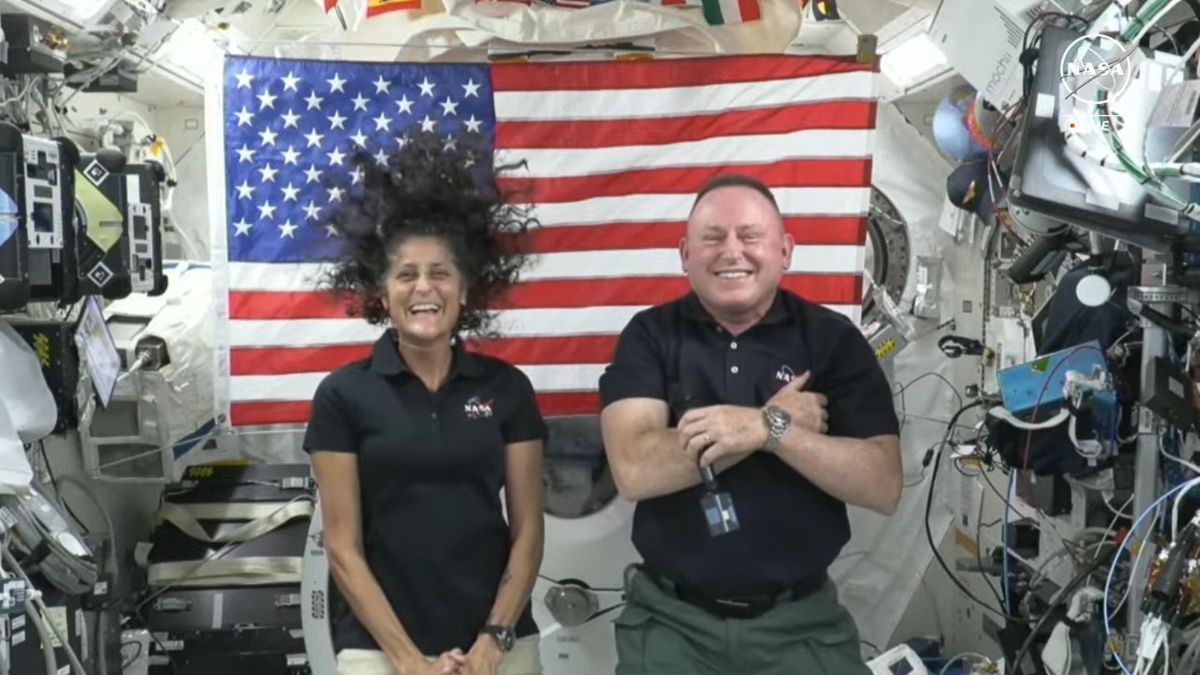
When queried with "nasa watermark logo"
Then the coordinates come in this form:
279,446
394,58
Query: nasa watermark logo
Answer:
1100,60
1096,122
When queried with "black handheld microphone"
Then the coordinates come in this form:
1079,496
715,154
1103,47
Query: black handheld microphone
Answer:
719,512
684,402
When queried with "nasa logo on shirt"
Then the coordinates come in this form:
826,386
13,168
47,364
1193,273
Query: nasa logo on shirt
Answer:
478,410
785,374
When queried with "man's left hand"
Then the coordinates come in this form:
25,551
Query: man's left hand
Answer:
484,657
709,434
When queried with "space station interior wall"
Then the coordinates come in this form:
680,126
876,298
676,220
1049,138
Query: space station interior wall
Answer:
88,110
881,570
183,129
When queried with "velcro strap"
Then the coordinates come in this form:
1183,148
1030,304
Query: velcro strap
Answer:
267,518
257,571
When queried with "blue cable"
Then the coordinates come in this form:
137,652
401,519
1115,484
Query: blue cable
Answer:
1117,557
1004,541
1172,471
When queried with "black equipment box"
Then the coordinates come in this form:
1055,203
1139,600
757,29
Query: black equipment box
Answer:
14,246
173,545
243,651
53,342
25,653
34,46
102,237
209,483
1049,178
121,79
249,486
50,218
204,609
227,628
144,205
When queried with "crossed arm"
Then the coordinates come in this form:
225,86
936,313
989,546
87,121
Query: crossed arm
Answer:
650,460
866,472
646,457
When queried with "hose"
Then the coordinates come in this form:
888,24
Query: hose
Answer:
35,601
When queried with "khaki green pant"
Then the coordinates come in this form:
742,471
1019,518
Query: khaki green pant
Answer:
658,634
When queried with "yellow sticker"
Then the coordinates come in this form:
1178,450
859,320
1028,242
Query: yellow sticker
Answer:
884,349
102,220
41,347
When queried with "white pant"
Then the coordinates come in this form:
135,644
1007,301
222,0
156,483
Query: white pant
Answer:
524,659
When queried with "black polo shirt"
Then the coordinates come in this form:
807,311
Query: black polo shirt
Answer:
790,529
430,470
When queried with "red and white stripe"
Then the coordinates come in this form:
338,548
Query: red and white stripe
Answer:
615,153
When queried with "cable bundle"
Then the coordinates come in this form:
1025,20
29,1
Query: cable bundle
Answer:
48,545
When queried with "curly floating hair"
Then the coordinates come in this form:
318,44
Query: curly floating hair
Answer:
431,188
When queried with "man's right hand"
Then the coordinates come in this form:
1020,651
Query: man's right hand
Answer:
807,409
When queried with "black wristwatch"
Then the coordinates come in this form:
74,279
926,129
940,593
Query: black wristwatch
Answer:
505,637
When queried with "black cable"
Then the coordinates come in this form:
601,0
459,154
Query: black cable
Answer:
979,550
1041,623
1028,58
1171,38
136,655
937,462
870,644
953,389
57,493
138,612
577,582
902,392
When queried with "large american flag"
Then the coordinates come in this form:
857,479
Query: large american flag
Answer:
616,151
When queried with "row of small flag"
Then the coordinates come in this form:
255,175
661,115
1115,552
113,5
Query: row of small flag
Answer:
716,12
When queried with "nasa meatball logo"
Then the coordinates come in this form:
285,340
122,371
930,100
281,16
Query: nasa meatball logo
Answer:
476,409
1096,69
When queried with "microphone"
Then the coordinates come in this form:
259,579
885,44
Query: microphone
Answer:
719,512
683,404
708,475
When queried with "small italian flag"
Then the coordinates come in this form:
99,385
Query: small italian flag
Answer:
721,12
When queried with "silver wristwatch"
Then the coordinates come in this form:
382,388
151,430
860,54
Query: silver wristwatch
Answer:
778,422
